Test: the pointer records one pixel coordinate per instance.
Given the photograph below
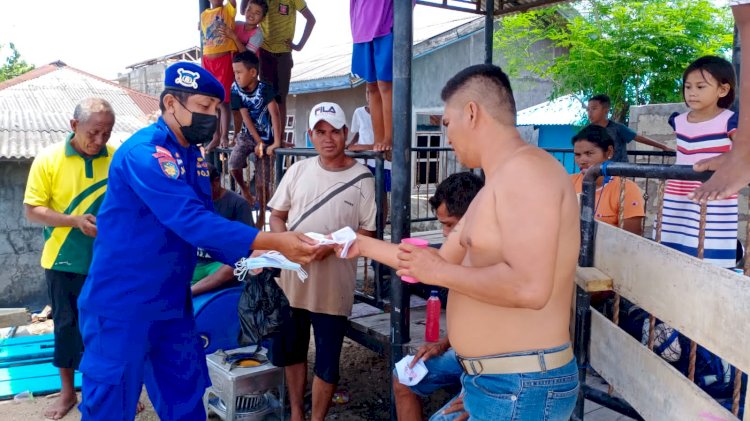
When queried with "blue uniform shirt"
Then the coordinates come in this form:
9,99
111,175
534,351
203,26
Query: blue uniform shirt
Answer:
156,212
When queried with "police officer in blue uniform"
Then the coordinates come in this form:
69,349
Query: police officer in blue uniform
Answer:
136,316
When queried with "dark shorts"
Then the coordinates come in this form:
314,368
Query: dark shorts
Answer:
276,69
63,289
289,345
221,68
373,61
386,176
244,147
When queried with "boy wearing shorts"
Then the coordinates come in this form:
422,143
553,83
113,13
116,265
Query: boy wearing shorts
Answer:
261,129
215,23
276,52
372,60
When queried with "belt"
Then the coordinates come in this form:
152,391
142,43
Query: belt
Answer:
533,363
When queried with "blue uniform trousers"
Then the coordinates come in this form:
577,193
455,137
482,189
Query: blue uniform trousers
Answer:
120,356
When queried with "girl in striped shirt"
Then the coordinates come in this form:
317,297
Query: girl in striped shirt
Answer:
703,132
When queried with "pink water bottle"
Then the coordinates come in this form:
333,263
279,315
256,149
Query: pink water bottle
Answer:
432,327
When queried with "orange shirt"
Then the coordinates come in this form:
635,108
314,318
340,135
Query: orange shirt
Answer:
607,203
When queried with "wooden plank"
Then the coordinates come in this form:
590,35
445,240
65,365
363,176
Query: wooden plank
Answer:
653,387
363,310
10,317
29,339
706,303
593,280
38,385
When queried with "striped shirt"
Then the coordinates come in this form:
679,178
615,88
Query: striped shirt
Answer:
681,216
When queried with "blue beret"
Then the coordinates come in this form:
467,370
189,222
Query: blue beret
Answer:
190,77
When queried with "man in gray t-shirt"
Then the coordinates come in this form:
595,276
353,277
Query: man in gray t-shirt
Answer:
210,274
598,112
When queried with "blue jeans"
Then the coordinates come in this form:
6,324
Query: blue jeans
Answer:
443,371
544,396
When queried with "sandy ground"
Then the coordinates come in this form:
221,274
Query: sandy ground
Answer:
364,375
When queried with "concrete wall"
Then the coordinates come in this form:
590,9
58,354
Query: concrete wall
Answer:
651,121
430,72
300,106
21,277
148,79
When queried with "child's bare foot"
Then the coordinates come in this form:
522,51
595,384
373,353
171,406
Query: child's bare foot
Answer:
140,407
61,406
732,174
382,146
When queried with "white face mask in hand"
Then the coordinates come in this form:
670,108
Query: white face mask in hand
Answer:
345,236
271,259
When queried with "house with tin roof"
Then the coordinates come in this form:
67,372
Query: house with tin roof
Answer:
554,123
440,51
35,112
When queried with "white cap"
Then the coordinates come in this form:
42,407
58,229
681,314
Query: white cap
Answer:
329,112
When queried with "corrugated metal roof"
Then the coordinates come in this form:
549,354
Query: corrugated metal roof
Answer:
565,110
501,7
36,108
334,62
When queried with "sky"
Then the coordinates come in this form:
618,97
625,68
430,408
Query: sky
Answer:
103,37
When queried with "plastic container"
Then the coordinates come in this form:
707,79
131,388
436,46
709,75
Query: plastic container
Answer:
415,242
24,396
216,320
432,326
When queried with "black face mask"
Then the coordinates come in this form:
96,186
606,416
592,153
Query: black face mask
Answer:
201,129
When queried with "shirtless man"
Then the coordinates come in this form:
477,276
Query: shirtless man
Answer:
509,263
732,168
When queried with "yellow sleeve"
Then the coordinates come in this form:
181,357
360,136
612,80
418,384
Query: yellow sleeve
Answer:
38,185
633,204
231,15
299,5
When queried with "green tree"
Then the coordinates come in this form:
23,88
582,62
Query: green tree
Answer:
14,65
635,51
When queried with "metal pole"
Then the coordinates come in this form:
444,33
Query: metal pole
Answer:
202,5
380,195
401,174
489,30
737,61
581,344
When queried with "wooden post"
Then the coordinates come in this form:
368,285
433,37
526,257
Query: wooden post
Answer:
701,250
660,215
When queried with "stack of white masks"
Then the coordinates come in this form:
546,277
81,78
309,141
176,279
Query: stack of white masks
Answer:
271,259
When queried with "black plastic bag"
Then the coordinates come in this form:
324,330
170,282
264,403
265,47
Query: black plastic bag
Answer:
262,309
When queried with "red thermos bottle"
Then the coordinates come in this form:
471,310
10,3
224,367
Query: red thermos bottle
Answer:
432,327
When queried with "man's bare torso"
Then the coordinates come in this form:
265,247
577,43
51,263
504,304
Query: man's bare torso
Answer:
477,328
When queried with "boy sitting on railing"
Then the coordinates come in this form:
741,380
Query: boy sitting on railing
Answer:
261,129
